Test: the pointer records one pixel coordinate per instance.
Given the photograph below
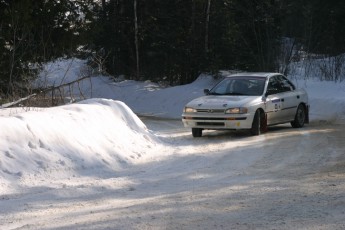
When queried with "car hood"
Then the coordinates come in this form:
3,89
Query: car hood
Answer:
221,102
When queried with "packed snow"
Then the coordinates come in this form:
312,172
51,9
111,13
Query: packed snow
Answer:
101,136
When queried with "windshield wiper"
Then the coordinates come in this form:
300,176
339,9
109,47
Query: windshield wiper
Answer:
234,93
213,93
227,94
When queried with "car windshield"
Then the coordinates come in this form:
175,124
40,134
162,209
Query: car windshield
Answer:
250,86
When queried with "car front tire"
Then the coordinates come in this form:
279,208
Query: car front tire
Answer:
300,116
196,132
256,125
259,124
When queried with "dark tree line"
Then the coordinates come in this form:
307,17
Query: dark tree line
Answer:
318,25
36,31
174,40
179,39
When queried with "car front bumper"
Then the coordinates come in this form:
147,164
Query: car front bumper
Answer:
224,121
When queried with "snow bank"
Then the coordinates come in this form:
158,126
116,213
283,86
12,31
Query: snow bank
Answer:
96,134
149,99
326,99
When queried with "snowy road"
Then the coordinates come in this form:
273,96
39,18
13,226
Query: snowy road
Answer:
285,179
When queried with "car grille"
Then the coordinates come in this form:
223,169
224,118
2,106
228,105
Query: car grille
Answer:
210,110
220,124
209,118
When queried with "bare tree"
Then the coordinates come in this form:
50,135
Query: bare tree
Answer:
207,25
136,39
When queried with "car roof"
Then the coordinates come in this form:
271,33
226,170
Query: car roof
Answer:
254,74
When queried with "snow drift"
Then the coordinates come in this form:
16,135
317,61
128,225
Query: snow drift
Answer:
96,134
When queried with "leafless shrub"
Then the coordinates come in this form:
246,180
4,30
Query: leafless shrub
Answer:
321,67
47,95
332,68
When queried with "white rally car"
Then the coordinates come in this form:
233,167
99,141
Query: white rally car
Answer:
249,101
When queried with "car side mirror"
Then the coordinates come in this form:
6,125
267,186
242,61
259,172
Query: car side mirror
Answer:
206,91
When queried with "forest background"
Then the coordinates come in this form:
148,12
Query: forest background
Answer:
171,41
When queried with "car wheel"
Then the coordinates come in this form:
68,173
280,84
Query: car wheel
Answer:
299,120
196,132
256,125
259,124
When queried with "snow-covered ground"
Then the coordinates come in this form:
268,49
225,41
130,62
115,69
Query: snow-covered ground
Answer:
95,165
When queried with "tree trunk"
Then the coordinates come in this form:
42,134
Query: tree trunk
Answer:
136,40
103,9
207,26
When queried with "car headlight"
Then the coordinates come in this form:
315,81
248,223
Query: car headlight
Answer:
239,110
189,110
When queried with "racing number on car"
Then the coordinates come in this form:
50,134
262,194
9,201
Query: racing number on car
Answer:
276,104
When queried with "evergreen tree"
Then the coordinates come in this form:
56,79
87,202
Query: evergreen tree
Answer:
33,31
170,40
317,25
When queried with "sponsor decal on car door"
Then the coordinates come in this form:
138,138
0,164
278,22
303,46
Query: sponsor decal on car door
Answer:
273,109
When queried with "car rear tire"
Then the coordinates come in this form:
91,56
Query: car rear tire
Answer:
196,132
300,117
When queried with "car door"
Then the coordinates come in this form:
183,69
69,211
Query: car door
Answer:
289,99
273,101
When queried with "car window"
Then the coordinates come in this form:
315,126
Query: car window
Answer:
221,88
239,86
256,87
273,86
286,84
279,84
